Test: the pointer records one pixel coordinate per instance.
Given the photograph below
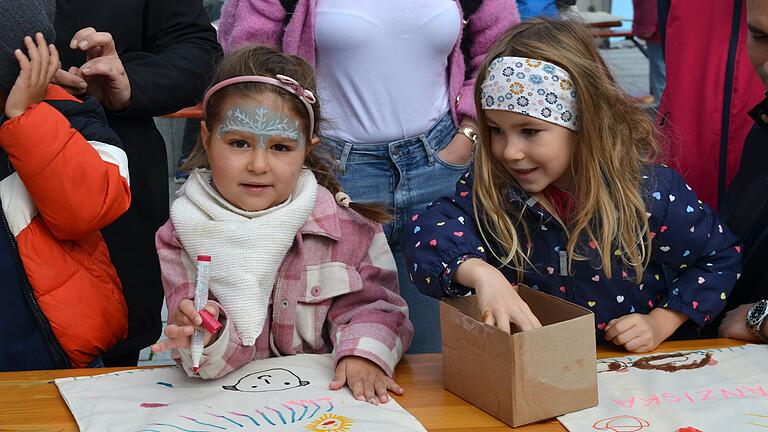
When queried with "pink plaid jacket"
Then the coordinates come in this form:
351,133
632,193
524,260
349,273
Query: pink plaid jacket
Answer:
336,291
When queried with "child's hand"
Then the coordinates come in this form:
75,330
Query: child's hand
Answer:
634,331
642,333
36,73
499,301
366,380
183,321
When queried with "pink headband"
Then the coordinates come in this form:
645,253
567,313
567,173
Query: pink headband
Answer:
282,81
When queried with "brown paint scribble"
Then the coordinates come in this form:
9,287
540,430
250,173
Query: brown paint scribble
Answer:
673,365
614,366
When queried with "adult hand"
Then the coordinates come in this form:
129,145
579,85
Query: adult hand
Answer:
458,151
70,81
366,380
103,71
734,325
34,77
499,301
183,322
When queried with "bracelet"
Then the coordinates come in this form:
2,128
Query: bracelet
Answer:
469,133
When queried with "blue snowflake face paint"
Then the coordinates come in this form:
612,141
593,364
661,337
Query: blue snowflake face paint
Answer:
262,122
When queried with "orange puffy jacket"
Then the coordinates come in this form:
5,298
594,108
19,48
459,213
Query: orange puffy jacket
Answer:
63,191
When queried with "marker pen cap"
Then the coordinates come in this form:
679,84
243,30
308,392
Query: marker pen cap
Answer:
211,324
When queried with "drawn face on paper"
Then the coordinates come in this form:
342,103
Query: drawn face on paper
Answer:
256,151
276,379
623,423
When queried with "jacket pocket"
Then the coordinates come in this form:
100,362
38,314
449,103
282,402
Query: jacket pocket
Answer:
324,283
328,280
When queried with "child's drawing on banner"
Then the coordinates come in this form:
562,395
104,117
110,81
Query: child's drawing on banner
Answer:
693,391
280,394
268,380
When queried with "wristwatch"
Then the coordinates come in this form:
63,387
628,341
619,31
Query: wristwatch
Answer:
756,317
469,133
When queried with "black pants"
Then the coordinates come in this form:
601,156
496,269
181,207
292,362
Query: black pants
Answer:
131,243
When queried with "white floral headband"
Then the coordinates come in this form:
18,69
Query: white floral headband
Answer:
531,87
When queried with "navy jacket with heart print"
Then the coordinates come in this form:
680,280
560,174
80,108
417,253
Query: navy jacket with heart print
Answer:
695,259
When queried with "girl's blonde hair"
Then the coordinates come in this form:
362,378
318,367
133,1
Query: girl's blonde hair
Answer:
615,139
267,61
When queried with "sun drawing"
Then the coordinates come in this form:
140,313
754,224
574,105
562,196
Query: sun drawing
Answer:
330,422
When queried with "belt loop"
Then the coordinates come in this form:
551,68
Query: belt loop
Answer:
342,160
428,149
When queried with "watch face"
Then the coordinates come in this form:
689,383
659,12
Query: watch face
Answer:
756,312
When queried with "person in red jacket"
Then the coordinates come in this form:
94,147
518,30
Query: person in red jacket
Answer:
711,87
745,207
63,177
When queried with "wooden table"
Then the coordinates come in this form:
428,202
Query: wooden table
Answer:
30,401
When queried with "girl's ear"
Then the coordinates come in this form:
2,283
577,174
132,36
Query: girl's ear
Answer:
204,135
313,143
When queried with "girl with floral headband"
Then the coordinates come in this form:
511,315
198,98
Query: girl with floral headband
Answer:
565,196
295,266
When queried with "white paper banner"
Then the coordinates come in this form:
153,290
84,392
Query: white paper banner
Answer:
278,394
722,389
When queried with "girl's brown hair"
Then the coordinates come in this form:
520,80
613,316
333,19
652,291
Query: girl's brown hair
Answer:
615,139
267,61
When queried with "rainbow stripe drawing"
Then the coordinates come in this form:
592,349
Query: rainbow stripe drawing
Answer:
278,394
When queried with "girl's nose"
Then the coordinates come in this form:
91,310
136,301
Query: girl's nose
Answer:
513,151
258,161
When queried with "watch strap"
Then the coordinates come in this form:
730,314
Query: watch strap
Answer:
755,328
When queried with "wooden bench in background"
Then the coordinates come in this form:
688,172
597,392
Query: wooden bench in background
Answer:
193,112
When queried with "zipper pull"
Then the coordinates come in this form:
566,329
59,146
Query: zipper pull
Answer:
563,263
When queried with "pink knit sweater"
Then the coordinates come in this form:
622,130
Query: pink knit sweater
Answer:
262,21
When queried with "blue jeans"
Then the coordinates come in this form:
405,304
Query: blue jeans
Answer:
657,69
406,175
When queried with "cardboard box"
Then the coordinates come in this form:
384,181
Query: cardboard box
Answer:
526,376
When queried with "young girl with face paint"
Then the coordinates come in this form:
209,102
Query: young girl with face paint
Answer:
296,267
565,197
